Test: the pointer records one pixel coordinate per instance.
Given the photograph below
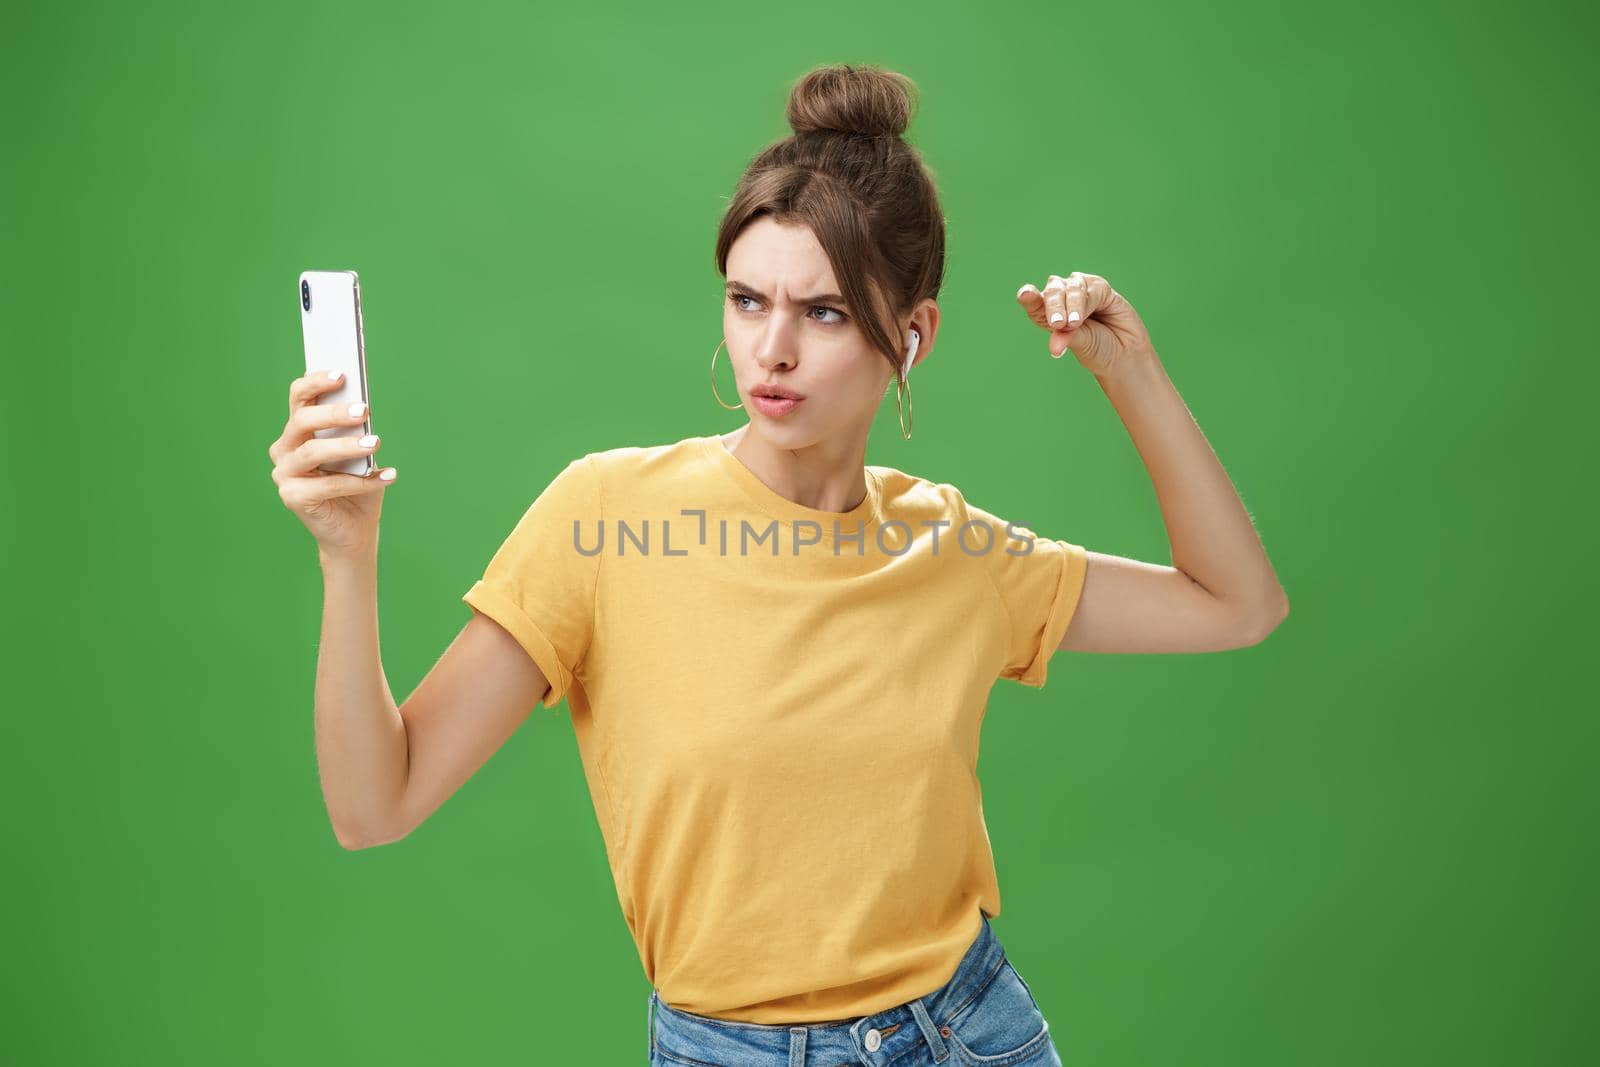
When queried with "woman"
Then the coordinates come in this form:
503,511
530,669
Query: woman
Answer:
777,657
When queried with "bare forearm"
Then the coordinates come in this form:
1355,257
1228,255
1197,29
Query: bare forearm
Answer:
361,739
1213,540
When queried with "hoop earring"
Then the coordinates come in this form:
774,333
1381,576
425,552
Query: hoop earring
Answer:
903,384
714,351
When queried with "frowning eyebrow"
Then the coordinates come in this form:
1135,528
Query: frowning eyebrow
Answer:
742,288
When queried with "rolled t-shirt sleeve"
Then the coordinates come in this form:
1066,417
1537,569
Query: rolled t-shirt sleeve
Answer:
540,584
1040,581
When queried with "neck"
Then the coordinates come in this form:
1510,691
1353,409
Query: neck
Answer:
828,475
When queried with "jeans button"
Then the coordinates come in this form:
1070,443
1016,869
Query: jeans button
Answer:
874,1039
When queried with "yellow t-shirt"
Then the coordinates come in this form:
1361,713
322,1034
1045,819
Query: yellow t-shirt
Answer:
778,711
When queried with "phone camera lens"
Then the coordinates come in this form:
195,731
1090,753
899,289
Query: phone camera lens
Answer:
305,295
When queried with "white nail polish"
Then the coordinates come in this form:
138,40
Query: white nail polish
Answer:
356,409
1055,318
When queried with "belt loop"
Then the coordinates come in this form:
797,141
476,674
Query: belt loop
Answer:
797,1046
924,1021
650,1020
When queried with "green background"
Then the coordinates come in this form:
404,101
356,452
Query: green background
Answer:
1359,236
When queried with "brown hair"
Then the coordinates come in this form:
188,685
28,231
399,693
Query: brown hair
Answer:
867,195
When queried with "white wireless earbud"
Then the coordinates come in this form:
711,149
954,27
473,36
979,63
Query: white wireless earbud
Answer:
911,352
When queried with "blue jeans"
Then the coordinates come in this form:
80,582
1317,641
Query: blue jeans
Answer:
984,1016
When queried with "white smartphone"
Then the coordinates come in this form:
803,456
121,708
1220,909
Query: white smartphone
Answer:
330,320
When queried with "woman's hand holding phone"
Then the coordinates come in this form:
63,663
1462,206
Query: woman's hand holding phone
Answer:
340,510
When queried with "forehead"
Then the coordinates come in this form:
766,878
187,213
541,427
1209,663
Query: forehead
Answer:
779,258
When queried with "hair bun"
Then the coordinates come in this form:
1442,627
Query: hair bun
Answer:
864,100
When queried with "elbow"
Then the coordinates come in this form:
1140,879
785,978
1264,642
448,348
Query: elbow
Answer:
1244,626
1269,618
355,842
351,842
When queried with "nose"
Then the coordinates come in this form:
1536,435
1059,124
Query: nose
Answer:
777,347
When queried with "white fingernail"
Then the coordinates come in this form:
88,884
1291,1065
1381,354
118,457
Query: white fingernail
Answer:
1055,318
387,475
368,441
1072,317
335,375
356,409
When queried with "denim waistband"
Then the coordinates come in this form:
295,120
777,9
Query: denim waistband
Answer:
873,1040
